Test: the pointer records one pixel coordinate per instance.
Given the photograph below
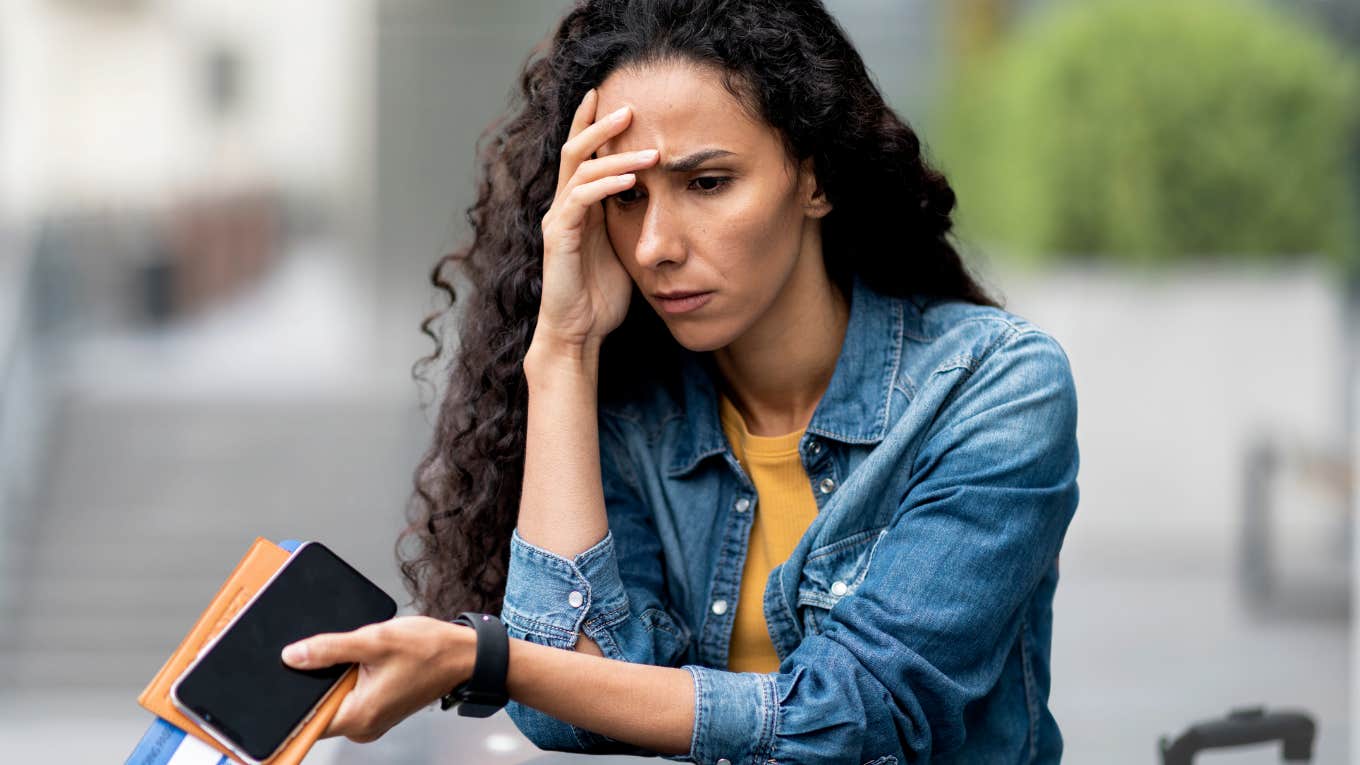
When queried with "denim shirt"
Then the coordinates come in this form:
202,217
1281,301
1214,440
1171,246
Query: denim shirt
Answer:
913,619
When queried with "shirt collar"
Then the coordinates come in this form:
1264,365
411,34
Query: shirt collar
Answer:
854,408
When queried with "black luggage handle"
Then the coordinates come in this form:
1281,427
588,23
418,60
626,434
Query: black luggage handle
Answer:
1251,725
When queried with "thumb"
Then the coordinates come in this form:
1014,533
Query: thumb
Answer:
323,650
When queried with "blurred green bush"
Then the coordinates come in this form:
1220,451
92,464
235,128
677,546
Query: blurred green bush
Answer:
1152,130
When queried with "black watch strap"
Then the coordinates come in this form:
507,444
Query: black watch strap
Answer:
484,693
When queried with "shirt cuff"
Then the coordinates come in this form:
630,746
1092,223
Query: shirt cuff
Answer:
550,596
734,716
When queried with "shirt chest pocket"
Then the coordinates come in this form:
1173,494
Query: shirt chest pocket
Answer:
832,572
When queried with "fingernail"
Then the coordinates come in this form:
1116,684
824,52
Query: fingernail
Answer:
295,654
618,113
647,154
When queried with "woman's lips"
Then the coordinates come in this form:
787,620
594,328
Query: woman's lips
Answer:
684,304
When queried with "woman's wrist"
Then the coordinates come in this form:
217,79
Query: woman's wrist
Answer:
550,354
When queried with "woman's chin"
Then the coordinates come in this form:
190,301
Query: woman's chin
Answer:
698,337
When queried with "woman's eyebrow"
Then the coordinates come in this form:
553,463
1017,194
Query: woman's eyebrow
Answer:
690,161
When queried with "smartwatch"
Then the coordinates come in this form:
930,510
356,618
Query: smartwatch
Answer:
484,693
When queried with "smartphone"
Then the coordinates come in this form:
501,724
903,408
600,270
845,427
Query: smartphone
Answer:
239,690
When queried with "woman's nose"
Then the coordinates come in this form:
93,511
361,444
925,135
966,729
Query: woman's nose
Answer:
660,241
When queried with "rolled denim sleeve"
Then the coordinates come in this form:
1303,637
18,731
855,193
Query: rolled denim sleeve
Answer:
549,596
896,664
618,599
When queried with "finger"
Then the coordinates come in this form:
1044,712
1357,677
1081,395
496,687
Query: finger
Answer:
344,722
350,726
613,164
585,114
583,197
329,649
577,150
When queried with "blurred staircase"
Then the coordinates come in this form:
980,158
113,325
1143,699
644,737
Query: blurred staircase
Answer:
147,505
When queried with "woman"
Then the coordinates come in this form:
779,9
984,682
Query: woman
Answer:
792,487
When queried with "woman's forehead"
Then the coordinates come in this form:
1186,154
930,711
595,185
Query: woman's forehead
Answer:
679,108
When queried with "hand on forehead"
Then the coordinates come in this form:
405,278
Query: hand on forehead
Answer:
677,108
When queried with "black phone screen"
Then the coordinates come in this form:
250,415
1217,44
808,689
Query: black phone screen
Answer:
242,688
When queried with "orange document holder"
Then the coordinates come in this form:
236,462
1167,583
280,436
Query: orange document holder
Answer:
260,562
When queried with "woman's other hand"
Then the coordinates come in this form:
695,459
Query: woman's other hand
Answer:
585,288
404,664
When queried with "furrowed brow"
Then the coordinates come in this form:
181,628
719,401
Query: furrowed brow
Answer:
690,161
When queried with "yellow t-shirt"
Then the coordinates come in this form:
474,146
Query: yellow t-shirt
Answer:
784,509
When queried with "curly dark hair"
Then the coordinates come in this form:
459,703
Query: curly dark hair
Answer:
787,61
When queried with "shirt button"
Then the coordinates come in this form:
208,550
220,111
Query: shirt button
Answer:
724,761
720,607
827,485
815,447
838,589
575,599
742,504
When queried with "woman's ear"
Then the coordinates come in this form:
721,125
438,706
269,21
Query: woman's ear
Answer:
815,203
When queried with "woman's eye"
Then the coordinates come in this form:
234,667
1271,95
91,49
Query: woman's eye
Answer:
707,184
710,183
625,197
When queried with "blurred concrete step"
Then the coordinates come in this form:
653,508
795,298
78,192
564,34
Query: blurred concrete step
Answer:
150,504
126,671
98,598
65,631
209,558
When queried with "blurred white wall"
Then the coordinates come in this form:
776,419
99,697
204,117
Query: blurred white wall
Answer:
106,104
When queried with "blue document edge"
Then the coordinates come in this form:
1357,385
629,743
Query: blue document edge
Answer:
166,744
